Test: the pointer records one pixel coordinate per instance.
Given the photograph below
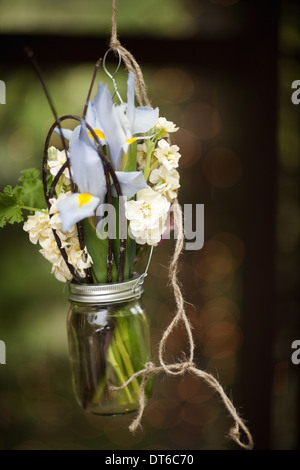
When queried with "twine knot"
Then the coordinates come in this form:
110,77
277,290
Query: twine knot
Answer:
114,43
149,367
186,366
234,433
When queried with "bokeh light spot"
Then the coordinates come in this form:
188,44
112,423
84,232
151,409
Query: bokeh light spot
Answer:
172,85
221,339
226,367
217,262
163,413
199,414
190,388
218,257
190,147
202,119
219,309
234,244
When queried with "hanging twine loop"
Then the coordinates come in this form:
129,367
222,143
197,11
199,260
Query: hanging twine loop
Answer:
239,430
129,61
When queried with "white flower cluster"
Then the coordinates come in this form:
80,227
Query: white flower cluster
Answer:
56,159
166,182
40,225
148,215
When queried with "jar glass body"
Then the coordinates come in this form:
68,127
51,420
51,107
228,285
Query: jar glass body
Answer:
108,343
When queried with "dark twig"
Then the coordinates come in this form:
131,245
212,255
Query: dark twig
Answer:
106,165
110,241
88,271
49,195
65,257
108,169
36,67
97,66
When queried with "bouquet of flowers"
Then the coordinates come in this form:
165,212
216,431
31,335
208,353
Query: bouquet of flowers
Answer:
140,167
108,198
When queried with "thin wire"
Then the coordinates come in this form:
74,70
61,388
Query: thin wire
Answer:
140,280
112,76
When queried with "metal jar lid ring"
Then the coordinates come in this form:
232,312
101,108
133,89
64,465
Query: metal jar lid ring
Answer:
105,293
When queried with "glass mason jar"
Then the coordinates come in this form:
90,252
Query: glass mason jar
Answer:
109,340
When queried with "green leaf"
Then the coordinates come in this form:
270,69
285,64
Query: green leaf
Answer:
131,161
98,249
11,205
130,257
33,188
130,248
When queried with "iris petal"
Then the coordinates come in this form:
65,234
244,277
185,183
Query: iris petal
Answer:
91,116
131,182
87,166
67,133
76,207
145,119
120,123
74,136
109,122
130,112
93,121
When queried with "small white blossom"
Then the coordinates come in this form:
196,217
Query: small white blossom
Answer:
141,155
78,257
37,226
147,216
56,159
166,182
61,271
55,220
164,127
50,250
40,228
167,154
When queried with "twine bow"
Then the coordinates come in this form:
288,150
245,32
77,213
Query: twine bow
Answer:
187,365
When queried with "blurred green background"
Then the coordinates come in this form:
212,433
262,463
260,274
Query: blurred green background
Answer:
221,70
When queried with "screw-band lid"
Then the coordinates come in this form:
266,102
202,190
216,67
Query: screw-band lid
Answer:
106,293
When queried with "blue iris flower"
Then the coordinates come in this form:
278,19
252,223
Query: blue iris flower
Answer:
117,127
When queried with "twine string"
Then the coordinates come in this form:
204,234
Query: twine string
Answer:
180,315
187,364
129,60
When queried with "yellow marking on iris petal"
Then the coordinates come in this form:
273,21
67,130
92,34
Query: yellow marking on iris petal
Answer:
130,141
84,198
98,133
